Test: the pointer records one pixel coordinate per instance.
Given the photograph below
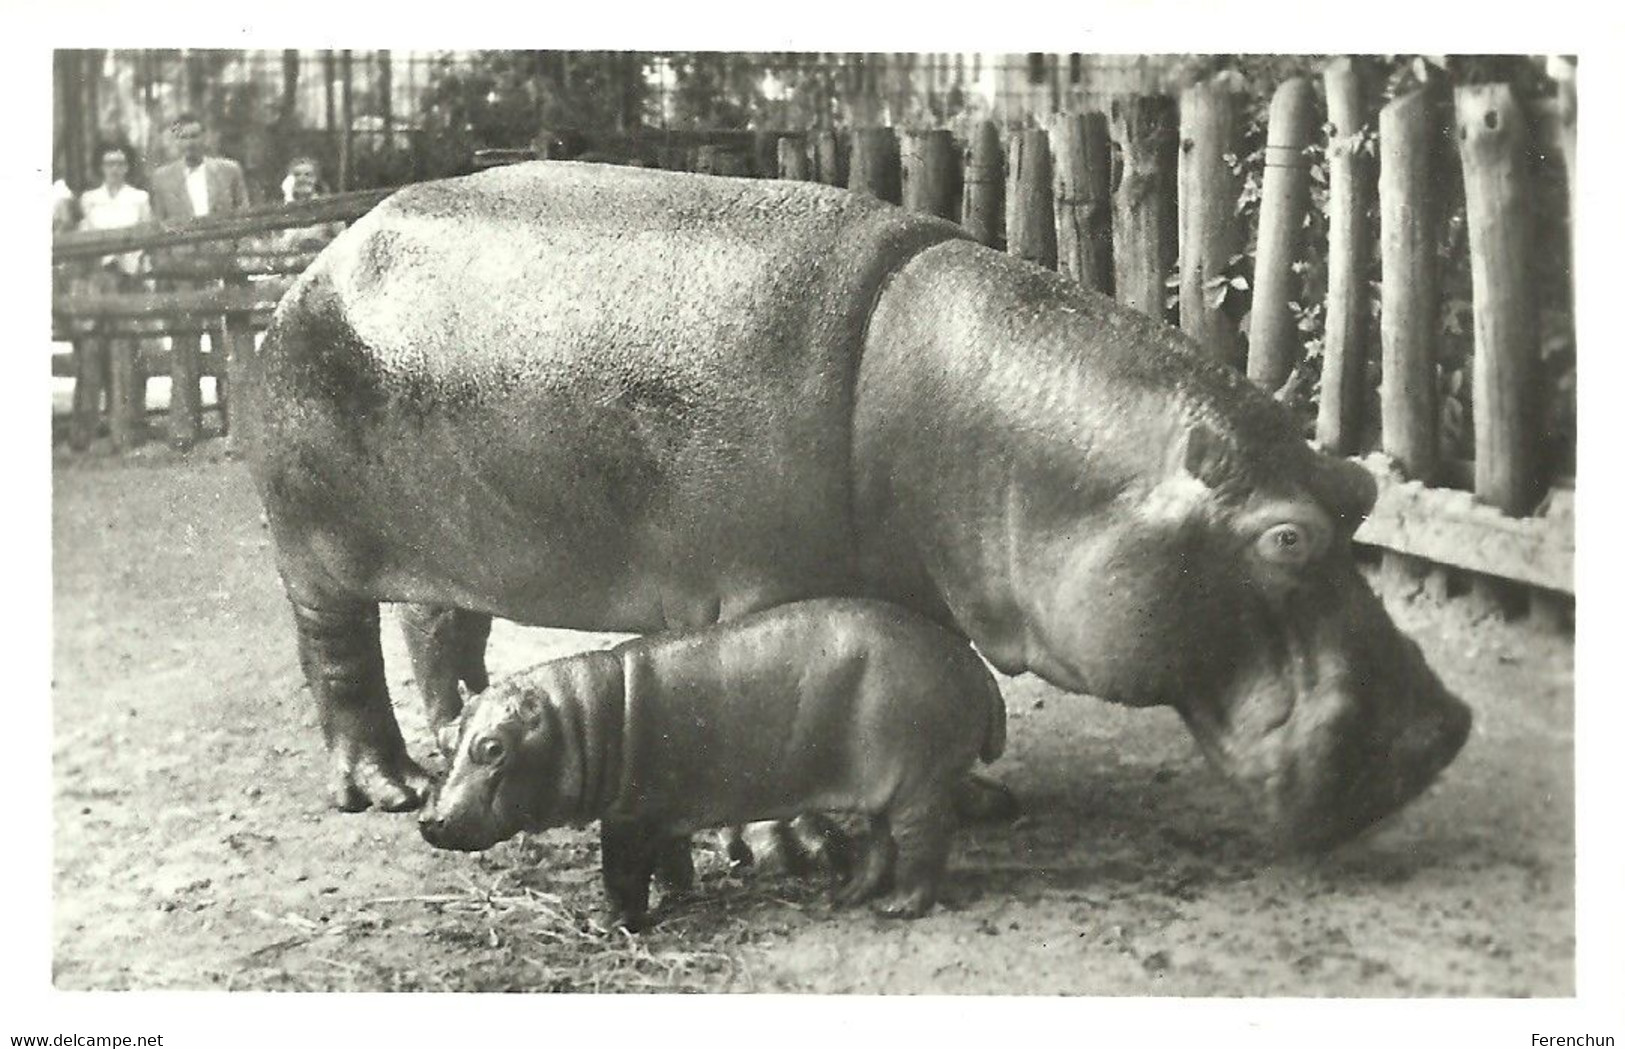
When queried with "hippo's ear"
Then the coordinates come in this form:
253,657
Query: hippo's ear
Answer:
1196,451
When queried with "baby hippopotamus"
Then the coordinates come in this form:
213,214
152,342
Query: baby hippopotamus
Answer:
819,706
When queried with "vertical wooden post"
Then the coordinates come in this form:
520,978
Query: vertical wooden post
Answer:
386,104
983,211
1494,141
347,136
1348,251
1209,229
1081,150
931,174
827,166
1407,131
1144,234
875,164
1273,346
123,420
237,346
87,390
705,160
185,398
793,160
1029,209
330,78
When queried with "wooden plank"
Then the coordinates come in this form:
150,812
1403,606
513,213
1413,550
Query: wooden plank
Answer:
341,207
242,264
150,361
1453,528
259,295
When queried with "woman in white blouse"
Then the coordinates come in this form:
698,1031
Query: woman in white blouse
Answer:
115,204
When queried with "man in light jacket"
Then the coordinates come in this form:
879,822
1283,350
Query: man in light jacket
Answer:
193,186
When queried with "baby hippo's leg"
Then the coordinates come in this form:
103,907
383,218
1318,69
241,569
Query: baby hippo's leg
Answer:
628,855
674,867
921,827
874,866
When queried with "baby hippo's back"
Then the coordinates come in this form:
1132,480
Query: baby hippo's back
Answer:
814,706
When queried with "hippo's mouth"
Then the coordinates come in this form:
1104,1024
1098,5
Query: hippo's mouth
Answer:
459,837
1404,770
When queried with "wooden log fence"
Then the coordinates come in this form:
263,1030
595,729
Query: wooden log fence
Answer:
1350,186
1273,346
1209,229
1145,235
1055,198
1081,152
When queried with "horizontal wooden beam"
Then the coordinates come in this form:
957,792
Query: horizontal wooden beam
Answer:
228,299
1452,528
90,244
154,363
245,264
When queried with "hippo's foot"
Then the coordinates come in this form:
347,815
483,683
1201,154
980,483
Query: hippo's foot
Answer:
913,903
979,799
874,868
344,666
674,869
920,830
805,845
393,785
629,854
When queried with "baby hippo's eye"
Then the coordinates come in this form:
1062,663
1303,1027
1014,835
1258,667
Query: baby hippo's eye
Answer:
1285,544
487,750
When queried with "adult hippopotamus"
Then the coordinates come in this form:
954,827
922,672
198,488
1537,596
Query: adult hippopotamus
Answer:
618,399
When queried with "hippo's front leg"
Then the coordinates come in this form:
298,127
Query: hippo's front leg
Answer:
447,647
344,666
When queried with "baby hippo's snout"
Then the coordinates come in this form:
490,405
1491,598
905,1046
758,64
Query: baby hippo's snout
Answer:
445,828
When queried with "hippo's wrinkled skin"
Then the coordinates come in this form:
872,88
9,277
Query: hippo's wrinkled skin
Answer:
815,706
614,399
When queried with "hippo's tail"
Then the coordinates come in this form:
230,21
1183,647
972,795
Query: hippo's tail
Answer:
993,741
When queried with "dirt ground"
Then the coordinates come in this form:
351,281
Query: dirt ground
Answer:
193,848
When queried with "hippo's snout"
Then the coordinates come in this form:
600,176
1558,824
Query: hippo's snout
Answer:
1431,745
448,830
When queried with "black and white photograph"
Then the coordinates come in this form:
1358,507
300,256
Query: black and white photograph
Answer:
1095,523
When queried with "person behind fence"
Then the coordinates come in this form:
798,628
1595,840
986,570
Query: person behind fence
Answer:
115,204
303,182
192,186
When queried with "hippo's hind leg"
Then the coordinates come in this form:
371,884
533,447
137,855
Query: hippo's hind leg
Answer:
981,799
874,866
447,647
922,828
674,867
344,666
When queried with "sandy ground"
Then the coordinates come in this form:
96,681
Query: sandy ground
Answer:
193,849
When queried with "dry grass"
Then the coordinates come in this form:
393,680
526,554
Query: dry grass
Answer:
533,921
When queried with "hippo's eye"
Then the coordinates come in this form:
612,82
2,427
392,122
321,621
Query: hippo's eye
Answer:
487,750
1285,544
